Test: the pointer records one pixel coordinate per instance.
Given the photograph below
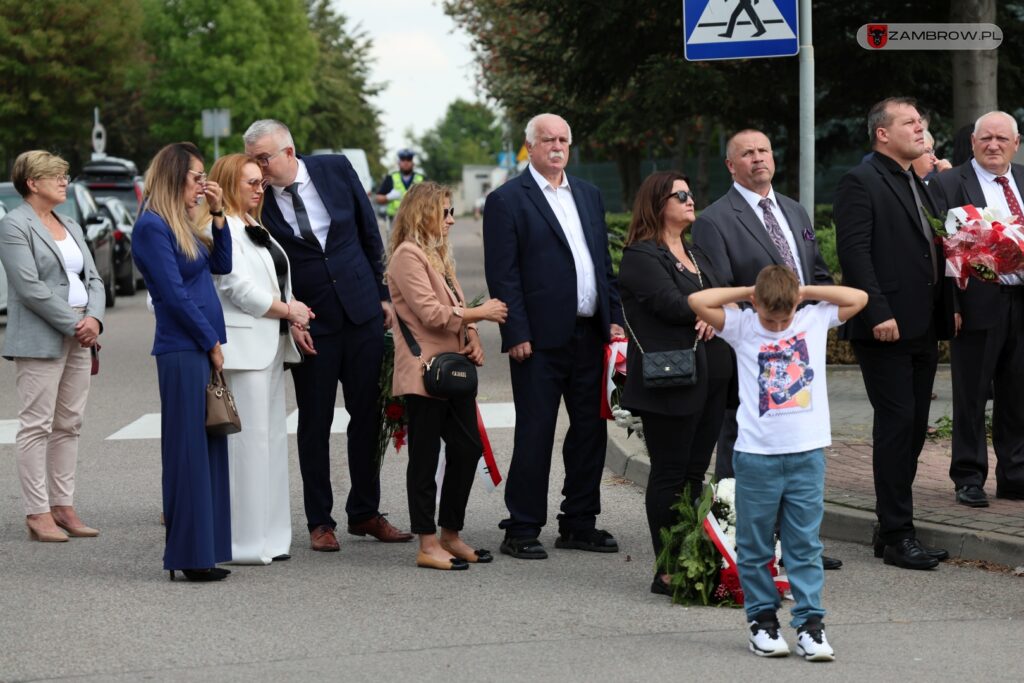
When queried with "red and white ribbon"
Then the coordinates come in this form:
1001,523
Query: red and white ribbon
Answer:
614,362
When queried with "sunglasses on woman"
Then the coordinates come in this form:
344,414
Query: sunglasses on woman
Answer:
448,212
682,196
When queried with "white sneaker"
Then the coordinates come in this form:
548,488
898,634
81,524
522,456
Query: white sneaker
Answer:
765,640
811,643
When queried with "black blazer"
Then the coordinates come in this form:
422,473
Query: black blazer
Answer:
654,299
345,279
529,266
883,251
981,304
736,241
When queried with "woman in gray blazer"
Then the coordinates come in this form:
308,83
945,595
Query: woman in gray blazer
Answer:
54,316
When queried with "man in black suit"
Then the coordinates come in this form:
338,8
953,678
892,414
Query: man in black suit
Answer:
886,248
318,212
988,351
546,256
748,228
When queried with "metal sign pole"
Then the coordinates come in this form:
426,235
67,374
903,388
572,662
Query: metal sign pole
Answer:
806,110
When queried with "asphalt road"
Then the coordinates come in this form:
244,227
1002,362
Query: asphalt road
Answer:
101,609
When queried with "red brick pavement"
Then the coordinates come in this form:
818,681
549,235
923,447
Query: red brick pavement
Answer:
849,482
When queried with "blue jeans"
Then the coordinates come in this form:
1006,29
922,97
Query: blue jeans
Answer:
789,488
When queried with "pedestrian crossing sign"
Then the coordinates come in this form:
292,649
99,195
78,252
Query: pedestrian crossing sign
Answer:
740,29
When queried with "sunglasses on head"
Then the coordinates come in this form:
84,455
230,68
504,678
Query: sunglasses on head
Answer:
682,196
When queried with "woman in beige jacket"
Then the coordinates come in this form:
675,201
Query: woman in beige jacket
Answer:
428,299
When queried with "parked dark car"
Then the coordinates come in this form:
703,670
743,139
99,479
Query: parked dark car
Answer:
126,275
99,230
114,177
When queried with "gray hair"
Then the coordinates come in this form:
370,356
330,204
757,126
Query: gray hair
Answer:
1013,121
264,127
531,127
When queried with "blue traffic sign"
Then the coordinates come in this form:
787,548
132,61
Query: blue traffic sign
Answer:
740,29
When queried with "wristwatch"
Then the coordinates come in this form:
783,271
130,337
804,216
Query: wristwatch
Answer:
217,214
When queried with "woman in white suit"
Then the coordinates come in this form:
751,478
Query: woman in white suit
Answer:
258,309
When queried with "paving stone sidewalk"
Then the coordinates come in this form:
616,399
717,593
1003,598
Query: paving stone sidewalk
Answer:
994,534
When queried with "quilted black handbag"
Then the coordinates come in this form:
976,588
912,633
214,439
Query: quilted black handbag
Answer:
446,375
664,369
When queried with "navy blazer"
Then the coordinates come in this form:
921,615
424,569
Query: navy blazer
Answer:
188,312
981,303
346,277
529,266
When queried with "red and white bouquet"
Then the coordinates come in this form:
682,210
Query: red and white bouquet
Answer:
980,243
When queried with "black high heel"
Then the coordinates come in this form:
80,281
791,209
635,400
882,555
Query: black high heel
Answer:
214,574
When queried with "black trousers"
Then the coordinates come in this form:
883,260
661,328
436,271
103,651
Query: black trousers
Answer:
898,377
984,360
352,358
539,383
680,450
431,420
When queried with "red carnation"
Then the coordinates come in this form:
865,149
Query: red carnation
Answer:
394,411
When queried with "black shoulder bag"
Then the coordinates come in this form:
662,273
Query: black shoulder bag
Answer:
446,375
666,369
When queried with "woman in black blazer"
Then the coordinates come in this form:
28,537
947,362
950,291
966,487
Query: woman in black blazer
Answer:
658,272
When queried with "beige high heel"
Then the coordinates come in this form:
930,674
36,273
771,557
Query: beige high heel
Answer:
45,536
78,531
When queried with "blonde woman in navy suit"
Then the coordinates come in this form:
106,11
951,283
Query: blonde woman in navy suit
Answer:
177,256
258,308
54,315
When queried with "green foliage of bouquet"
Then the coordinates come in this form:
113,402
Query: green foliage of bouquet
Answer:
393,419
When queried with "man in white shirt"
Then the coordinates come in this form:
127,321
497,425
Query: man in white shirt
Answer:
987,354
546,256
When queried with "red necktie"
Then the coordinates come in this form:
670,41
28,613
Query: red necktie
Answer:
1011,199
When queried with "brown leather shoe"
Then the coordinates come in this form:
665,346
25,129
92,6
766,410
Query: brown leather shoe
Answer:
323,539
381,529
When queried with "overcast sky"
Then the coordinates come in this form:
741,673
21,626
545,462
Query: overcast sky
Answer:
423,58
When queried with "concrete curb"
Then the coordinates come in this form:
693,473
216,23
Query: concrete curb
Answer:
627,458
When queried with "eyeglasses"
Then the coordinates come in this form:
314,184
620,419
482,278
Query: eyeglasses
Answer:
254,183
448,212
265,159
682,196
200,176
59,178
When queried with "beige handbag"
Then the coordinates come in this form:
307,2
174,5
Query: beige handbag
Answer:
221,412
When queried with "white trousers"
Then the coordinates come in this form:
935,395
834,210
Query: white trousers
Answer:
52,393
261,525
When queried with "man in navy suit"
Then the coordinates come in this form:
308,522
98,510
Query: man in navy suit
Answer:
988,351
546,256
320,214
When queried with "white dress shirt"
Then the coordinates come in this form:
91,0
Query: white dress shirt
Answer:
994,197
74,265
319,219
564,207
753,199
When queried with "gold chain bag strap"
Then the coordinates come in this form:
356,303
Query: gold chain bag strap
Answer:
666,369
221,412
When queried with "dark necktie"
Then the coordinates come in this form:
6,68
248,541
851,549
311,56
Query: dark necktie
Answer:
926,228
1011,199
775,233
301,217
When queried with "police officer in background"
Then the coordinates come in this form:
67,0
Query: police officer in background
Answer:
397,183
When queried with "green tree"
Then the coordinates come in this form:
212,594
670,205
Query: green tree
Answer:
254,58
469,133
58,60
341,114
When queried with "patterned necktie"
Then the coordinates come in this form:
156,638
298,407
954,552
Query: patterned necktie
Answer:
775,233
301,216
1011,199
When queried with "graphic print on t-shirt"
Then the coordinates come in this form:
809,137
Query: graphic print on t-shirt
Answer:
784,382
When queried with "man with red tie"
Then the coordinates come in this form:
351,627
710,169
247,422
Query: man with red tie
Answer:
988,352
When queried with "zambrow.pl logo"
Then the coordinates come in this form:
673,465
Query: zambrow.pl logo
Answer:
881,36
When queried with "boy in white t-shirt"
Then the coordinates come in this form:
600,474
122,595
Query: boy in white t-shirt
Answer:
779,457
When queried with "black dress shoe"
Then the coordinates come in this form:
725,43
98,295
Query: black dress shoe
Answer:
908,554
830,562
282,557
594,540
659,587
972,495
1007,494
524,548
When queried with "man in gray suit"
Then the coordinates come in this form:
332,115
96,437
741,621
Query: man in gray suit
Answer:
748,228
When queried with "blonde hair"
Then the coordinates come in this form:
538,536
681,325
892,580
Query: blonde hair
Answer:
227,172
34,165
164,195
419,220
